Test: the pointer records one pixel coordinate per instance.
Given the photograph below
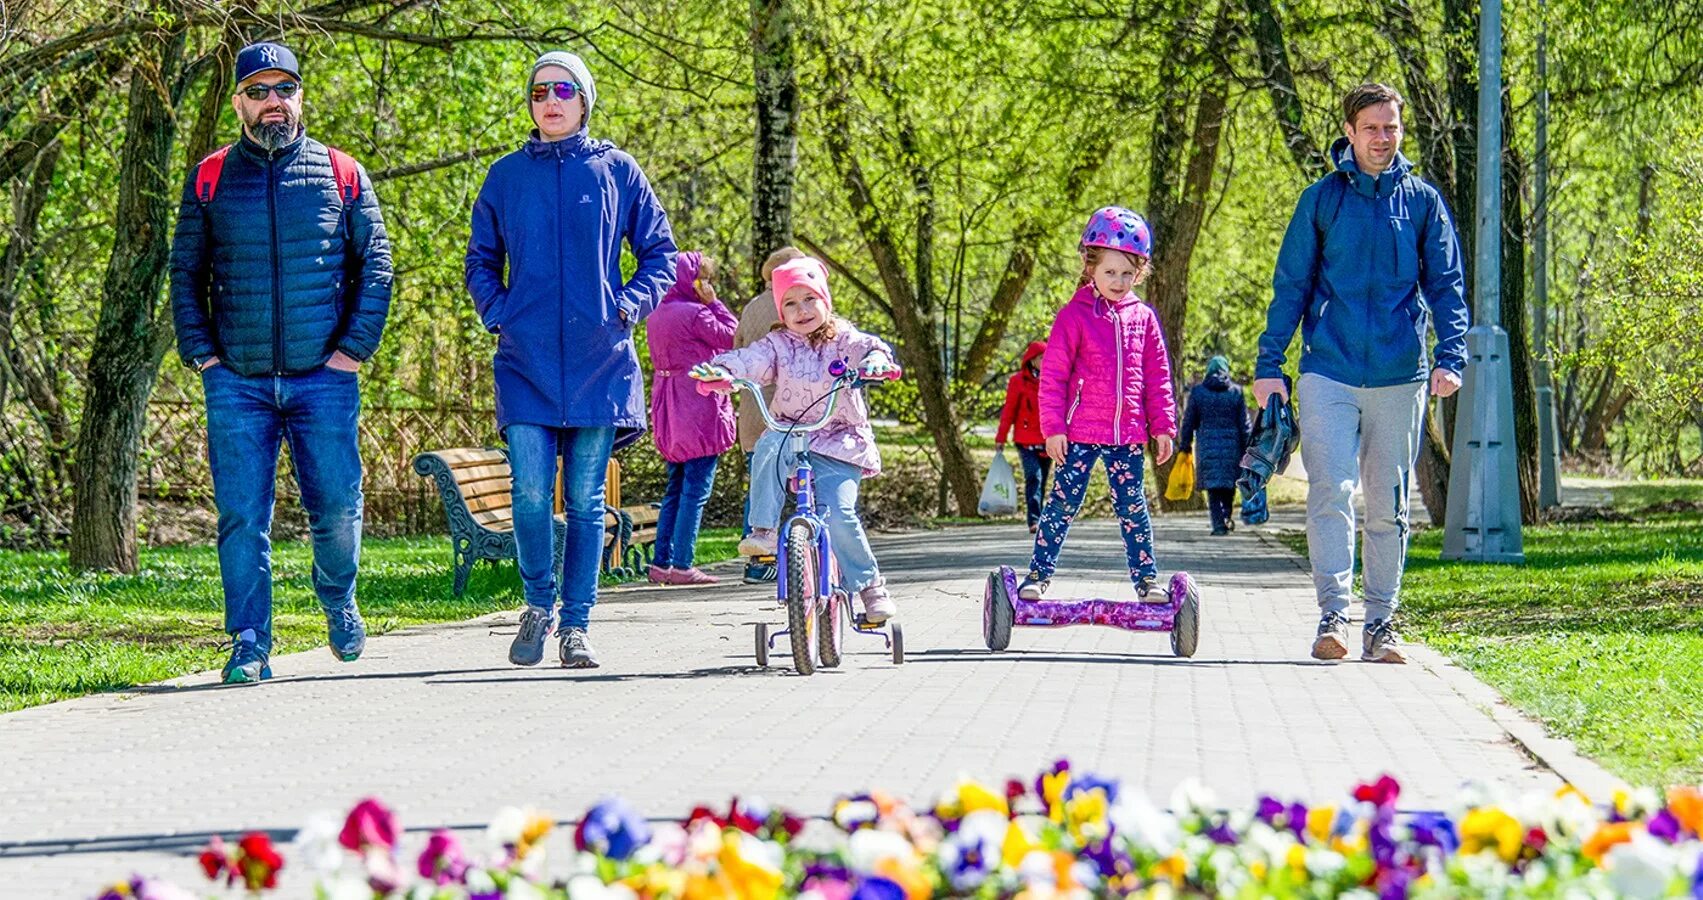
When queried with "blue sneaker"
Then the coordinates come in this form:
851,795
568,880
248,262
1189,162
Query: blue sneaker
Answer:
346,632
760,572
248,663
536,623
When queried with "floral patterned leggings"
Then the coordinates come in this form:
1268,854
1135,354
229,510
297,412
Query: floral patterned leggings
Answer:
1070,485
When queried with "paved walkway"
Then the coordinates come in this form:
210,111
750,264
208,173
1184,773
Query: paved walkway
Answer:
437,723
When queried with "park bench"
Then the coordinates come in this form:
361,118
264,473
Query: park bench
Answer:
474,485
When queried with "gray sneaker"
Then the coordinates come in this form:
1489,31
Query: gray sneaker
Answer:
576,650
1332,641
536,623
1380,643
1034,587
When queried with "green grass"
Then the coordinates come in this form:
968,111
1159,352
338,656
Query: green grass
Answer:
1639,496
1599,635
64,634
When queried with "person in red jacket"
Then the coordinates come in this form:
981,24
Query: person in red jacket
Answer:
1021,419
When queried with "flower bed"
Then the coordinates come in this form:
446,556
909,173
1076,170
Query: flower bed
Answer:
1067,834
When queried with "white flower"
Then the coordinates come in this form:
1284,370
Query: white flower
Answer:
1036,868
590,887
1144,825
1643,866
347,886
1324,862
854,811
523,889
667,845
479,881
1191,796
315,846
869,846
506,829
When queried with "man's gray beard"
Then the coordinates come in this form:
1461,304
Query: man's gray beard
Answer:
272,135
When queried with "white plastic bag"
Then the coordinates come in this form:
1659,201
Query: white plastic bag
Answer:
999,489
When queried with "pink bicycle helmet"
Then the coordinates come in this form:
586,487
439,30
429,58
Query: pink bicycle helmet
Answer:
1117,228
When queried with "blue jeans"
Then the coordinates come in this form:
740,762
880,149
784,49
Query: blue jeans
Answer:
682,512
1070,485
248,418
534,451
1036,466
836,485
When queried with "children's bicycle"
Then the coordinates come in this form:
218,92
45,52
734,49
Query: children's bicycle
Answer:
818,613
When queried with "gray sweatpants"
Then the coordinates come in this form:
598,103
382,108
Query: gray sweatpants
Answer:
1358,436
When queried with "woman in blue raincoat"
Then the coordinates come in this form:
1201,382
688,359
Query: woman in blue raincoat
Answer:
544,268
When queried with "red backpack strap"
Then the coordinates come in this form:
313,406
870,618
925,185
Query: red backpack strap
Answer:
348,175
207,174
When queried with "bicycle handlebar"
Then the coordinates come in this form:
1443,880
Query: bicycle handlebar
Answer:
709,382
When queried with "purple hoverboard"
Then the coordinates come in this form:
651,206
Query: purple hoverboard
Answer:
1003,610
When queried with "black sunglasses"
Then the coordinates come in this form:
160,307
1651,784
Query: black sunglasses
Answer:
284,89
564,90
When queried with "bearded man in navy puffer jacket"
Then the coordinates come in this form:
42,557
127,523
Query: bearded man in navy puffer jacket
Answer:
280,285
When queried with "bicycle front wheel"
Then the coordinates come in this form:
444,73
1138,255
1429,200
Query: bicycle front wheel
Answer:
801,568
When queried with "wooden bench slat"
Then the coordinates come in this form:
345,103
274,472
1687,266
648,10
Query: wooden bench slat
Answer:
489,518
481,473
486,487
470,456
490,503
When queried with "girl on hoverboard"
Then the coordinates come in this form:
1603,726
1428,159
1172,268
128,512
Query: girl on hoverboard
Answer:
1105,391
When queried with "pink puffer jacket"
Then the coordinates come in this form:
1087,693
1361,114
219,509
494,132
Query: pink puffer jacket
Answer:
1107,379
799,373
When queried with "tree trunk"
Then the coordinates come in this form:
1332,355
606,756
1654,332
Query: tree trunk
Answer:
922,358
1176,199
1279,81
1514,320
776,158
126,353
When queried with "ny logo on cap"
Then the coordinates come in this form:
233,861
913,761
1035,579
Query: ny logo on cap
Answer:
269,54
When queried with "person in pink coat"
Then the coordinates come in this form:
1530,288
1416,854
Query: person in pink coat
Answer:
796,357
692,430
1105,391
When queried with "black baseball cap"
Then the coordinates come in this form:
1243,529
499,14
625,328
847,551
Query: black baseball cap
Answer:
266,56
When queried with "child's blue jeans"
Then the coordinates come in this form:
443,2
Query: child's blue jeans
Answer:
1070,485
837,484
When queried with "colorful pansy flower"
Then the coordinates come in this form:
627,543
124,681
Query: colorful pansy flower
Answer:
257,862
370,824
1382,792
443,861
1430,829
612,828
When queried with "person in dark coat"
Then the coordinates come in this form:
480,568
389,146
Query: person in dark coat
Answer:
544,268
1218,416
1020,418
280,288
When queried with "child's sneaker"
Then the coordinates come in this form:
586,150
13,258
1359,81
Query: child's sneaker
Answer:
1332,640
878,605
757,572
1380,643
1034,587
575,649
760,542
1145,593
536,623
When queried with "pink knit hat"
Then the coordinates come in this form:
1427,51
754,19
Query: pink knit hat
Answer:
807,272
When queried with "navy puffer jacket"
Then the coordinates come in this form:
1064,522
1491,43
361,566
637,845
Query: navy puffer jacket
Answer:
1216,421
274,274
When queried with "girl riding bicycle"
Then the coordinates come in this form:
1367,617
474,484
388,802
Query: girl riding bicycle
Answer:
796,357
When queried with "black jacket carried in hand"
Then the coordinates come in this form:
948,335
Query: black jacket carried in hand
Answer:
274,274
1276,435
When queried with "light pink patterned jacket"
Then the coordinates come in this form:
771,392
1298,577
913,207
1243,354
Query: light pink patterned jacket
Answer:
799,373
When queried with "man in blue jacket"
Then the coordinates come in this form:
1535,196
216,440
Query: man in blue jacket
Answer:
280,285
1371,255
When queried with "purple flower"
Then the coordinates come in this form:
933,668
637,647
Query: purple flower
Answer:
1697,880
612,828
1108,859
1393,884
1269,809
1434,830
1087,782
443,860
1663,825
878,888
1222,833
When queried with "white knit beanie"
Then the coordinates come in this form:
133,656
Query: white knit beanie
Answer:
571,62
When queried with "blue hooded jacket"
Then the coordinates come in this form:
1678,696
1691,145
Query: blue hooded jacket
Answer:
556,213
1365,262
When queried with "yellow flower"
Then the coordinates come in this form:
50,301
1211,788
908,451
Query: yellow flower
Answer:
1053,786
973,797
1319,821
1487,828
1296,859
749,876
1173,867
533,832
1085,813
658,881
908,876
1017,845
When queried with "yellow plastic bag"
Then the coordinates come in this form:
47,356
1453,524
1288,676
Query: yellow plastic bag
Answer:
1181,485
